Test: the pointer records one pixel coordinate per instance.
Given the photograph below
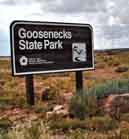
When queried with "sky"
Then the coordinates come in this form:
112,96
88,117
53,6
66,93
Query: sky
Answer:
109,18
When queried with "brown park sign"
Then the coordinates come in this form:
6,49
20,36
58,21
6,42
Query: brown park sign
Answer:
47,47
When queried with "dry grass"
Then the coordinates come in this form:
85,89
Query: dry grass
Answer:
12,89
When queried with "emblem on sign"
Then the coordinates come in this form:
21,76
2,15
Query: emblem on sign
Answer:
79,52
23,61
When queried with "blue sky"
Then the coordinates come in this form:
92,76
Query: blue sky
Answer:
4,43
110,19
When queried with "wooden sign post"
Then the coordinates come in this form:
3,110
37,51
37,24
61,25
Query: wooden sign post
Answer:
79,81
30,90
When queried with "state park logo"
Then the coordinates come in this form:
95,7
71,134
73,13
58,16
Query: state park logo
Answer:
23,61
79,52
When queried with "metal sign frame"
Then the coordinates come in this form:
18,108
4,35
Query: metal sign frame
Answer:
12,39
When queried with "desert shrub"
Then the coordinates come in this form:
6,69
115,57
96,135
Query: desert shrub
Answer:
101,123
125,75
5,64
66,125
105,58
76,134
100,65
5,124
50,94
30,130
124,133
33,132
9,85
65,84
5,102
39,109
87,74
20,101
83,105
121,69
89,83
110,87
125,117
112,62
116,62
37,130
54,118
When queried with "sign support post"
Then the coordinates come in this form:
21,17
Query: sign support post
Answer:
30,90
79,81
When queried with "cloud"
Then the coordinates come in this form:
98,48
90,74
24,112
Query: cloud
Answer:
110,19
91,10
15,2
115,31
119,11
73,6
115,36
108,11
63,5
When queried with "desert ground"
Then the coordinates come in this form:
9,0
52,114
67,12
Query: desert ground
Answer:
100,111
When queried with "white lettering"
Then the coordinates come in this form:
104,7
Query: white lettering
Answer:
21,33
46,43
22,45
29,34
26,45
53,45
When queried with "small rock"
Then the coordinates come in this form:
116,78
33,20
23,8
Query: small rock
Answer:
64,113
124,124
33,117
49,114
13,118
1,89
58,108
115,104
68,96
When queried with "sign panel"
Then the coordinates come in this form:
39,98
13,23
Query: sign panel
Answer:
47,47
